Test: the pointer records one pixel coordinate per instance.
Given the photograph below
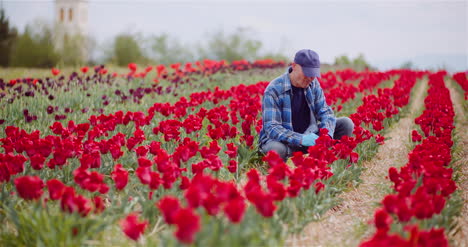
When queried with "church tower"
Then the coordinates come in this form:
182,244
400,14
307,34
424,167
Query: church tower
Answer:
72,16
71,25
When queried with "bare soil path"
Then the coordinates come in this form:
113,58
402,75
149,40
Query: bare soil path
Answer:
348,223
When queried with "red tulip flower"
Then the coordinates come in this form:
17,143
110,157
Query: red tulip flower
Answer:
231,150
169,206
55,71
120,177
29,187
188,223
132,227
382,219
235,210
56,189
132,67
98,204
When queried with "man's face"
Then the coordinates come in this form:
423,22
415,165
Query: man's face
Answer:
300,80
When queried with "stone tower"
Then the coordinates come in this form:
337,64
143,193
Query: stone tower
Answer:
72,16
71,24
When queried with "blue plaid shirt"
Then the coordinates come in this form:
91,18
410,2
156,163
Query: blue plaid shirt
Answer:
276,112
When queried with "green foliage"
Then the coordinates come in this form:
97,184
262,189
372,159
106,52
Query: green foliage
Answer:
358,63
73,50
38,226
168,50
127,49
407,65
342,60
236,46
7,37
34,48
275,56
44,46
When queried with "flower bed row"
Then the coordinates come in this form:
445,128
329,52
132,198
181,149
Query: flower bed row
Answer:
422,188
462,79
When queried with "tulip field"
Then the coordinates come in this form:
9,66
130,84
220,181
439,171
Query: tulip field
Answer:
167,155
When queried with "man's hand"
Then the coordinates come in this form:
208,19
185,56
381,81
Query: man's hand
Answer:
309,140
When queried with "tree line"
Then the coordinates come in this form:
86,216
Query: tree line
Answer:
37,47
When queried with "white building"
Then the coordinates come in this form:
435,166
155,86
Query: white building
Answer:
72,15
71,22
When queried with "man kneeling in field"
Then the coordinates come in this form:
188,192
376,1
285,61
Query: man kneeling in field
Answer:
294,109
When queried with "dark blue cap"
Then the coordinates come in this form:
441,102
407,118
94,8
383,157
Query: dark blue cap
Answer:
309,61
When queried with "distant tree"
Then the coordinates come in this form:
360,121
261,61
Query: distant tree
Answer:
358,63
235,46
407,65
126,49
7,38
342,60
34,48
74,49
168,50
274,56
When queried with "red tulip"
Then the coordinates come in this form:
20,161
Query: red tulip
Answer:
143,162
415,136
56,189
235,210
277,189
98,204
188,223
4,173
132,227
263,202
382,220
132,67
37,161
71,202
232,167
55,71
319,186
169,206
29,187
380,139
120,177
184,183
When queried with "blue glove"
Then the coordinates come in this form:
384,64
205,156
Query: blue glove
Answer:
309,140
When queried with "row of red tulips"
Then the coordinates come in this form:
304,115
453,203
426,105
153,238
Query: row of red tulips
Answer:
462,79
423,186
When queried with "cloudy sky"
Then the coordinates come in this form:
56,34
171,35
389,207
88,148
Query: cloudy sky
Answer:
431,34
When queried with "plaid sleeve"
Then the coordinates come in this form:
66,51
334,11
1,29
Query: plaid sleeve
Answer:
272,122
324,112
